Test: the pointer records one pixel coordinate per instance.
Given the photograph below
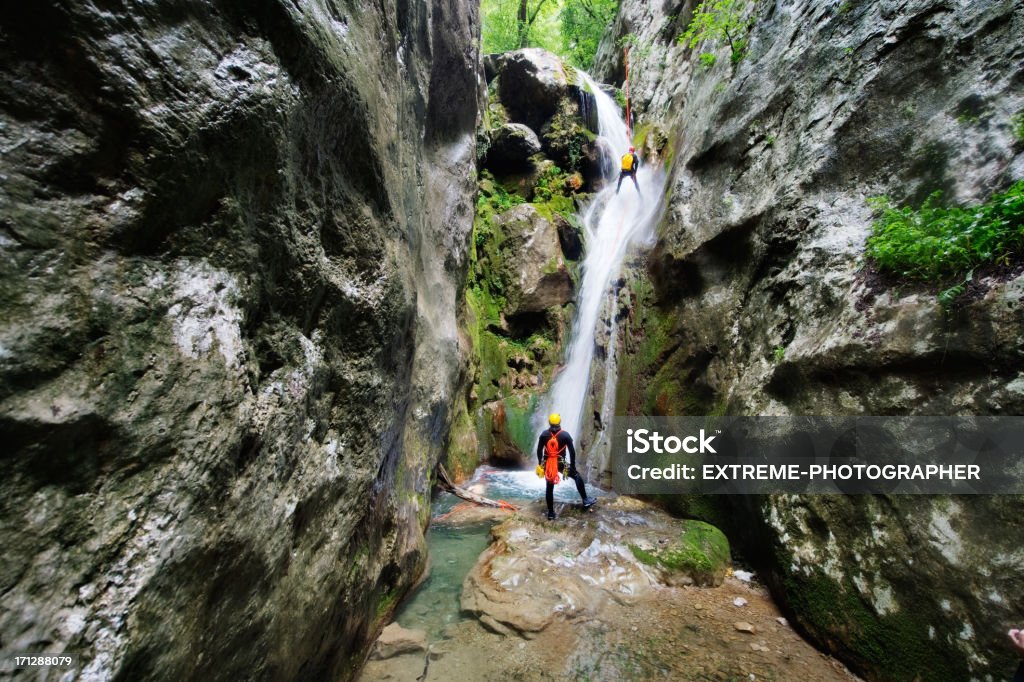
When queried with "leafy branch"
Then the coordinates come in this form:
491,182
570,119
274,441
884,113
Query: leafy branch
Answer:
715,20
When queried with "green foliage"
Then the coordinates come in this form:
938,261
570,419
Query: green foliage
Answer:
513,24
715,20
638,48
779,353
572,29
739,51
620,98
1017,126
708,59
933,242
499,201
583,25
550,182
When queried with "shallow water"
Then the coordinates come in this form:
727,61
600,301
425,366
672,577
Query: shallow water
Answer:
455,545
453,551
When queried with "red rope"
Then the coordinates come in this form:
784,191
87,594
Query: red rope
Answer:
629,125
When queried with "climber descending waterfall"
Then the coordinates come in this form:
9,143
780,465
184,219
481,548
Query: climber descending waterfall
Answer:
612,222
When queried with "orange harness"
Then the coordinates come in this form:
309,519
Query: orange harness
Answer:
553,452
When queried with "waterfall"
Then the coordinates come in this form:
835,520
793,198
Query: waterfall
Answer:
611,222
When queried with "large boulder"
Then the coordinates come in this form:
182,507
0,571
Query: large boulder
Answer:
533,267
512,144
536,572
531,84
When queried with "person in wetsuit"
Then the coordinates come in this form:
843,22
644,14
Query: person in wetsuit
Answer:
551,448
630,164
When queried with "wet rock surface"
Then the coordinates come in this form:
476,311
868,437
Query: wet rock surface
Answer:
535,274
537,570
232,238
568,600
755,299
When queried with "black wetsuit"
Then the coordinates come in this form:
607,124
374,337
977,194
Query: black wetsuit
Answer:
564,444
631,174
1019,677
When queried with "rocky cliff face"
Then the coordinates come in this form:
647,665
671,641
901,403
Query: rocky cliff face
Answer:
231,240
756,299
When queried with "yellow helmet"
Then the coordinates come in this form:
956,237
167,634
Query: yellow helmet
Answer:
554,419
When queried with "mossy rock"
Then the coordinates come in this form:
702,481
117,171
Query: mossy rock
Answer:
698,556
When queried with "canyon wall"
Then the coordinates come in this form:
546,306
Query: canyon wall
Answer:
757,298
232,240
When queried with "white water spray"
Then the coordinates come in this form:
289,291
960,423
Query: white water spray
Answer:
611,222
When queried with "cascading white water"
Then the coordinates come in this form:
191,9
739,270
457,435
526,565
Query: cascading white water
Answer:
611,222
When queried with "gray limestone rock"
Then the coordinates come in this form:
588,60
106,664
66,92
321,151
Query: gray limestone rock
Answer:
511,146
536,274
755,299
232,237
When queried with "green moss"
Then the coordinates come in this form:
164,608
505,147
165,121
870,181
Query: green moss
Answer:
709,508
518,413
896,644
701,547
656,375
643,556
701,551
386,604
1017,126
620,98
462,456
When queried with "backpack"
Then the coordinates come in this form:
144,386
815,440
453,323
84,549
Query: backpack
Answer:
627,162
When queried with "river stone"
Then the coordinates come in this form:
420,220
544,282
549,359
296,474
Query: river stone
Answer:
755,299
533,267
232,243
401,668
395,640
511,147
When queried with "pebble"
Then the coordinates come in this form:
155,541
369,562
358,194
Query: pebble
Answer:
739,601
743,626
782,621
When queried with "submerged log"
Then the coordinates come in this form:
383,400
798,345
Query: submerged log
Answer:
445,482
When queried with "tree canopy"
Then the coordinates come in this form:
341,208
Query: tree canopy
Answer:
570,28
